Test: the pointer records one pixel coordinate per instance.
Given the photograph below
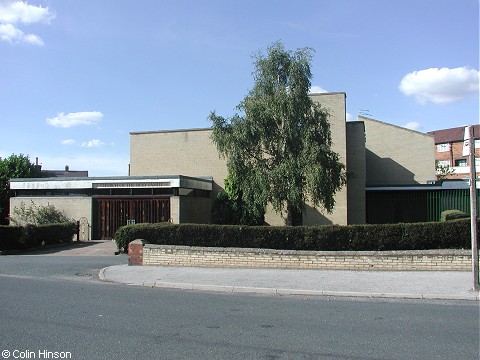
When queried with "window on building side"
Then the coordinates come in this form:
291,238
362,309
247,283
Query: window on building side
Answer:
443,147
461,162
443,163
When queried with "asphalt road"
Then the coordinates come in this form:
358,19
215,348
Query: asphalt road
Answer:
57,304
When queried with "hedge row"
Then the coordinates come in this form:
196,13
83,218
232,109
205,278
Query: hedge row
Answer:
453,234
31,236
453,215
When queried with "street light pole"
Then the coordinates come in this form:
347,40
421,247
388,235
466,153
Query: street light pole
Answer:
473,208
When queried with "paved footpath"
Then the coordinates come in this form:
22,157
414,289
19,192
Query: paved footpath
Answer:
445,285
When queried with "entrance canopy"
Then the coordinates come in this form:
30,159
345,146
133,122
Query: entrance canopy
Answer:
118,185
110,202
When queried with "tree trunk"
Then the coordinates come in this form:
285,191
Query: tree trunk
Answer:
294,217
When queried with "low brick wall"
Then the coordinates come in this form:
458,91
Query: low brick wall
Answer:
166,255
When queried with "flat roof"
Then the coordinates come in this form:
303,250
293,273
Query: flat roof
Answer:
438,185
113,182
168,131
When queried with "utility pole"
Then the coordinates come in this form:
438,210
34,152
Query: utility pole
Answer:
473,206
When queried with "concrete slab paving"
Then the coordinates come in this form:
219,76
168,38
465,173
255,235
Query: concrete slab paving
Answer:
380,284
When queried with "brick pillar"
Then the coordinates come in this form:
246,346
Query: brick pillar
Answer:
135,252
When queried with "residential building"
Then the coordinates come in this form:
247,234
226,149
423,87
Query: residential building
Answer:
449,151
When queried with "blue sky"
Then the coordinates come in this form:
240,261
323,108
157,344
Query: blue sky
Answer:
76,76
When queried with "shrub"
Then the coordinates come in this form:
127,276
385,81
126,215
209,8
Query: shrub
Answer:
38,215
417,236
126,234
452,215
55,233
10,237
31,236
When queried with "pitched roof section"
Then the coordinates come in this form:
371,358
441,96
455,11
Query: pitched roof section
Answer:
364,118
453,134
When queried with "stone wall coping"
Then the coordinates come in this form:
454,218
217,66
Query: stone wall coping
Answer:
138,241
262,251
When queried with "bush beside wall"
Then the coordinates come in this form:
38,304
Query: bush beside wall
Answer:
31,236
10,237
453,234
453,215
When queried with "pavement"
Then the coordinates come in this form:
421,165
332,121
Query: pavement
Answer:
441,285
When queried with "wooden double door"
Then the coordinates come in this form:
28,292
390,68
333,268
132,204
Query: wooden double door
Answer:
110,213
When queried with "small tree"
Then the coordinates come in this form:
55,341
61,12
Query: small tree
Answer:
229,207
278,147
443,171
14,166
38,215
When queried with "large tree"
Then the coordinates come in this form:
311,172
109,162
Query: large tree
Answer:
14,166
278,145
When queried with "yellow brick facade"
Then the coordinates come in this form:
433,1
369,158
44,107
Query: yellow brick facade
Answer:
192,153
397,156
73,207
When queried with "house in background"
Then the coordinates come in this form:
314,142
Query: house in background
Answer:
66,172
449,154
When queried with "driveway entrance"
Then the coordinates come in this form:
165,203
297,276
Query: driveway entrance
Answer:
79,248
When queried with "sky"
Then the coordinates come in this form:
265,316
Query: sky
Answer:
77,76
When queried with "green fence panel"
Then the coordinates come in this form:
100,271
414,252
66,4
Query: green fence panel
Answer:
394,206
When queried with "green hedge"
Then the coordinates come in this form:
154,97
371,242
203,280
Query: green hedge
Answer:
453,215
31,236
10,237
453,234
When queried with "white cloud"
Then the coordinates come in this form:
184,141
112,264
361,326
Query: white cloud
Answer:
19,12
413,126
440,85
75,119
11,34
93,143
68,142
317,90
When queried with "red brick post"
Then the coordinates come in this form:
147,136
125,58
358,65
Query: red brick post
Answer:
135,252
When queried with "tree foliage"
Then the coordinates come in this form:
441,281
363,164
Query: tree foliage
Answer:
278,145
443,171
230,209
38,215
14,166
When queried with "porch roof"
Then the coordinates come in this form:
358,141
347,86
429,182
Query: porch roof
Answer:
114,182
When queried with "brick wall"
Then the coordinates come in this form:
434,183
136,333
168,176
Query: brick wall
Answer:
397,156
192,153
356,168
74,207
444,260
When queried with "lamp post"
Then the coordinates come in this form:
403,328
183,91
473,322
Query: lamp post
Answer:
473,203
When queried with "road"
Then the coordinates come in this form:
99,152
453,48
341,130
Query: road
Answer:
57,304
